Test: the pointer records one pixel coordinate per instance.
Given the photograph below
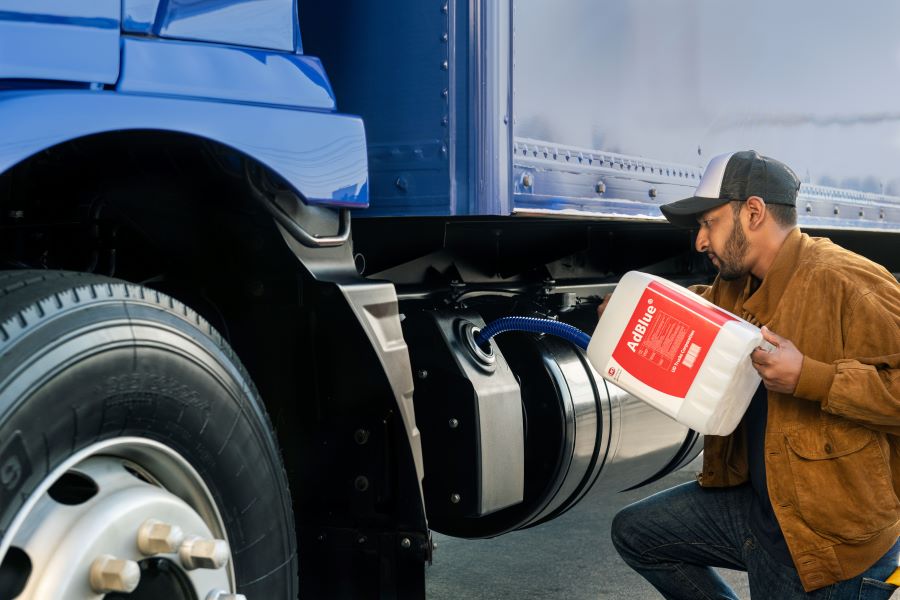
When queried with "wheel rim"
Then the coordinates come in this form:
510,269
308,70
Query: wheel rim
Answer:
107,521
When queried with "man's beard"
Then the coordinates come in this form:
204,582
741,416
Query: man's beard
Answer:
731,265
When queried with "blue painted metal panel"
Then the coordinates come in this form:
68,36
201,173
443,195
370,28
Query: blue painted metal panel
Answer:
60,41
432,81
321,154
259,23
198,70
138,16
392,63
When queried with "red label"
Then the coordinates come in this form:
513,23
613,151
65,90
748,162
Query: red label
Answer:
667,339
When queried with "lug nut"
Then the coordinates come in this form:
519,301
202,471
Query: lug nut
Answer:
198,553
156,537
223,595
111,574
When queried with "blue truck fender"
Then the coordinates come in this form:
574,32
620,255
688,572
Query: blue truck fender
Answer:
322,155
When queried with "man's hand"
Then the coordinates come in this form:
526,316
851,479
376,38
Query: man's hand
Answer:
779,368
603,304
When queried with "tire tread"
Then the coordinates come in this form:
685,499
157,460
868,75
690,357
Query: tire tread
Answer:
30,299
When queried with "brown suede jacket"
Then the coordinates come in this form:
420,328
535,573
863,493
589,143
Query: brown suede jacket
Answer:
832,450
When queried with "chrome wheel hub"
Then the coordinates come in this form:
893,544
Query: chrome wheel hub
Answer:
126,517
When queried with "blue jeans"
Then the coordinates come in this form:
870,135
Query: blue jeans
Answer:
675,537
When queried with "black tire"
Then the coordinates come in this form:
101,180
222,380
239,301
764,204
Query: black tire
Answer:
85,358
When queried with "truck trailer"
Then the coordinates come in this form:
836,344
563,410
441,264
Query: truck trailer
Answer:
246,247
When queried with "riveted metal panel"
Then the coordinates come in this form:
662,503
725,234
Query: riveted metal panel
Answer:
400,66
552,179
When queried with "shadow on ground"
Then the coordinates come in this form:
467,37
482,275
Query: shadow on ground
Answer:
570,558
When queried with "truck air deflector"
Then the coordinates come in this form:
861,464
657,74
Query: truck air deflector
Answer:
258,23
322,155
228,73
60,41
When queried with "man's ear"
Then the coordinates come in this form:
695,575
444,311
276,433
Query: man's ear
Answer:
756,212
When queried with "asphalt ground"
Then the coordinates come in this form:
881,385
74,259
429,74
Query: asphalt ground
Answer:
569,558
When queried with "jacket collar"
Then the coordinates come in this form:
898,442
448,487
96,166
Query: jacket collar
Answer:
762,303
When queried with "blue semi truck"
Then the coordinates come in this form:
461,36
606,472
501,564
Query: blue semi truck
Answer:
246,245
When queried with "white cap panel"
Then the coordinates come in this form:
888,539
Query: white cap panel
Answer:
711,182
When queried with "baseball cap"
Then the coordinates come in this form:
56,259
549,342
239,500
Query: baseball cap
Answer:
735,176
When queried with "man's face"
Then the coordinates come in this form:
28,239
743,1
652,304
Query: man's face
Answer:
722,239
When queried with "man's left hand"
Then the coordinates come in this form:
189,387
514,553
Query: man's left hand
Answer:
779,368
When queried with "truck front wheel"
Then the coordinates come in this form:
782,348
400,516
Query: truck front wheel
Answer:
136,459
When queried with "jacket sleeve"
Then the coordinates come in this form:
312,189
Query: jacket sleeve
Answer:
865,388
705,291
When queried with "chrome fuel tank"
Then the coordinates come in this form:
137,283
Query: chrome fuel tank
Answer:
582,436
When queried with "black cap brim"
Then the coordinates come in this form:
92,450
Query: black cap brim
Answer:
683,213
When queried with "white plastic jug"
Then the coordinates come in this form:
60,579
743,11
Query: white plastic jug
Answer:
677,352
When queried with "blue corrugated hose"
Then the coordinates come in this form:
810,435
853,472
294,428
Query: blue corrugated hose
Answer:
532,325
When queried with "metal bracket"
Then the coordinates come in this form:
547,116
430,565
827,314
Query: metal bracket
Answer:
294,228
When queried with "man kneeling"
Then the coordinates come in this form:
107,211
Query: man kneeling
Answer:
802,495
